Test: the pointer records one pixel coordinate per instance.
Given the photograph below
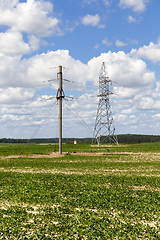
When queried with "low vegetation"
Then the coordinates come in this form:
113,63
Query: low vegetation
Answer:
88,192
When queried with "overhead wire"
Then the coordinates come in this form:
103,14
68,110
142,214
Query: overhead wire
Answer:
79,118
71,98
40,126
86,84
43,121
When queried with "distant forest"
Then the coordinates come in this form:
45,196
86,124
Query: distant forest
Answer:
123,138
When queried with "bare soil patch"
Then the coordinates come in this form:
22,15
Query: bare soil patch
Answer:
52,155
89,154
142,188
104,172
56,154
108,145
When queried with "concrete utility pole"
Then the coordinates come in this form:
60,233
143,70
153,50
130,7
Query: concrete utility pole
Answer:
60,95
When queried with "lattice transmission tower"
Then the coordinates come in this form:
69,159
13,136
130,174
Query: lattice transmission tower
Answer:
104,130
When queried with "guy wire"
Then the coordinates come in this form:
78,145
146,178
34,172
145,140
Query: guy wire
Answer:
39,127
79,118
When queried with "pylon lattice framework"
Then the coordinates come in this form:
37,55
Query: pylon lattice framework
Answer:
104,130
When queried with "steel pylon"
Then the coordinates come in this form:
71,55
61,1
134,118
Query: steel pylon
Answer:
104,130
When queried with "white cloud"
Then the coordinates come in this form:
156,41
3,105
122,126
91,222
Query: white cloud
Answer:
9,3
89,1
13,44
151,52
96,46
156,92
19,78
121,118
133,87
101,26
135,5
131,19
130,73
44,43
34,42
34,71
31,17
35,18
127,71
91,20
133,41
106,2
120,43
125,92
146,103
128,111
149,103
15,95
106,42
14,109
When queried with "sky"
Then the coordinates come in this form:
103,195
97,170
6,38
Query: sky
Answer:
37,36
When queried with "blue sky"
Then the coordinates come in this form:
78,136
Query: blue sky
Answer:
38,36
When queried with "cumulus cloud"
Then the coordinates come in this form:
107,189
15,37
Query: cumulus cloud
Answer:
15,95
106,42
125,92
120,43
151,52
132,83
21,20
34,71
131,19
91,20
146,103
34,42
156,92
135,5
122,68
128,111
13,44
31,17
9,4
149,103
130,73
22,107
20,78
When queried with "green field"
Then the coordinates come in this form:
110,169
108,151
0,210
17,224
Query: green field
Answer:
87,192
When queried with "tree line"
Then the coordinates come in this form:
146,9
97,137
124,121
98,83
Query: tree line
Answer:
122,138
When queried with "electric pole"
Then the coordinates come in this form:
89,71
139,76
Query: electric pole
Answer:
104,126
60,95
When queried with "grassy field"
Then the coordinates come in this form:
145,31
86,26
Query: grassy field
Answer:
88,192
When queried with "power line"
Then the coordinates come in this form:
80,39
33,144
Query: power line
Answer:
40,126
79,118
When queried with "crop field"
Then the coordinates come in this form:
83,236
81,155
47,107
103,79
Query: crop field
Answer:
88,192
